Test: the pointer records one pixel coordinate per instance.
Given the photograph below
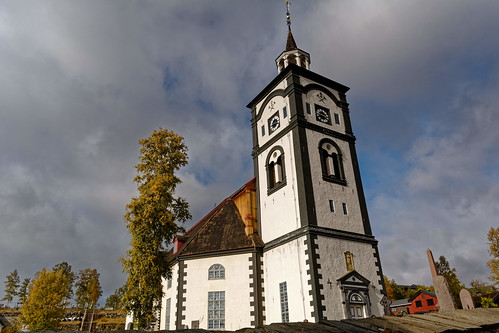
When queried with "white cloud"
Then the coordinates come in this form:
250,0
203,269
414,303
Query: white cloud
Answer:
448,198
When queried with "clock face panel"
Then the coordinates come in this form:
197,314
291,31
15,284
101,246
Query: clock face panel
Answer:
274,122
322,114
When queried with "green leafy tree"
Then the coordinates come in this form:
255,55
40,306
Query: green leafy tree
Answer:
70,275
412,292
479,287
455,286
115,300
487,302
45,304
493,237
11,286
153,219
88,289
393,290
23,290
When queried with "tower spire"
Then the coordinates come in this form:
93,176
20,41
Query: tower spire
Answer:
290,42
291,55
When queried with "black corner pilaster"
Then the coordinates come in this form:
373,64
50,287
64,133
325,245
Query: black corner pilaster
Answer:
302,157
180,294
360,190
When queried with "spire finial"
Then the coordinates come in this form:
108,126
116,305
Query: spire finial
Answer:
288,17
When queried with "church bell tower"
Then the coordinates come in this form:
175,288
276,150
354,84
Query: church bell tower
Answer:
320,259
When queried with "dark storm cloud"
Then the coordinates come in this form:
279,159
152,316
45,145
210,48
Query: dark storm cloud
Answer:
82,81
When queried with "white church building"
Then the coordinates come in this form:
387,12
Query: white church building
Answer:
295,243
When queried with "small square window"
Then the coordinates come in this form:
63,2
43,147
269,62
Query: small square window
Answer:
337,118
419,304
331,206
284,112
308,108
345,208
263,130
430,302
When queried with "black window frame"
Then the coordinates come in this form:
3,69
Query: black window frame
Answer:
272,184
336,118
337,158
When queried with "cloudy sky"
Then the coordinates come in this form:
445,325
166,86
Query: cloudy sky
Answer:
82,81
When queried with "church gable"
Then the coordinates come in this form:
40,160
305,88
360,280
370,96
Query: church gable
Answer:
353,278
223,231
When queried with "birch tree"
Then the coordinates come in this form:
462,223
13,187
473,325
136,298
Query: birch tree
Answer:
153,218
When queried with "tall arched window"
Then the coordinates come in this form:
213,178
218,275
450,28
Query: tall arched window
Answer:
216,272
276,175
331,162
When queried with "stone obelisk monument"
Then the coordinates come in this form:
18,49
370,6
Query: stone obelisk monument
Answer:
445,300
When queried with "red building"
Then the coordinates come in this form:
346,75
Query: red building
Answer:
423,301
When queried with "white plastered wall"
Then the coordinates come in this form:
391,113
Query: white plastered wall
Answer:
236,286
172,294
279,211
325,191
332,261
269,109
287,263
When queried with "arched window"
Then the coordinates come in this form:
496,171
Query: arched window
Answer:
331,162
216,272
276,175
357,306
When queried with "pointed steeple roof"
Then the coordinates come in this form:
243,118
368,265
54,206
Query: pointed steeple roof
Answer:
290,43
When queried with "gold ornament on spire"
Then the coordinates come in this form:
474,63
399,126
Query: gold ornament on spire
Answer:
288,16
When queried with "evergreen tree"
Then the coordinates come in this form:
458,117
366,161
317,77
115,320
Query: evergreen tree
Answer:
11,286
153,220
23,290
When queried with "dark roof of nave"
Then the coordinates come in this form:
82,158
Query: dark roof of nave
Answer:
223,229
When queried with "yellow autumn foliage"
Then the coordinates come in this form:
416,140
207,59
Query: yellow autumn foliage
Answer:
46,301
493,237
153,219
